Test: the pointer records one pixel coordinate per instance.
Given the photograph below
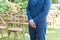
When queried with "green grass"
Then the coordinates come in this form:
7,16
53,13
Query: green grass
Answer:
52,34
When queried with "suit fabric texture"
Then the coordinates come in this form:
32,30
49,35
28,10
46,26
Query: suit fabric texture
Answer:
38,10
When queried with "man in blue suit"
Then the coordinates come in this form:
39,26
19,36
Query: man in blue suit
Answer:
37,11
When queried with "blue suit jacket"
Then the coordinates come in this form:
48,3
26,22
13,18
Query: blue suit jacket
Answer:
38,11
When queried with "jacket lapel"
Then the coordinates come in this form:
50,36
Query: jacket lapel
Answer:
34,2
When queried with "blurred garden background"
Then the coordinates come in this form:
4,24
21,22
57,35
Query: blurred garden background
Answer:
13,15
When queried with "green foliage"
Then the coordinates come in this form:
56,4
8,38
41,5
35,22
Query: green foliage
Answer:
4,6
21,3
54,1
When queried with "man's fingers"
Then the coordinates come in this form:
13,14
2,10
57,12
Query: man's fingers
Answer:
32,24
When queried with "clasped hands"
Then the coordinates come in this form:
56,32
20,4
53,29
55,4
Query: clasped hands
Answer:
32,24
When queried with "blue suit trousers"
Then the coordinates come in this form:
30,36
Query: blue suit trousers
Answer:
37,33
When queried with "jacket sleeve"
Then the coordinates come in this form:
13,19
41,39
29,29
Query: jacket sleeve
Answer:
46,7
28,11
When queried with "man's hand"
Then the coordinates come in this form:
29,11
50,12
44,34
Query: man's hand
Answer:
32,24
